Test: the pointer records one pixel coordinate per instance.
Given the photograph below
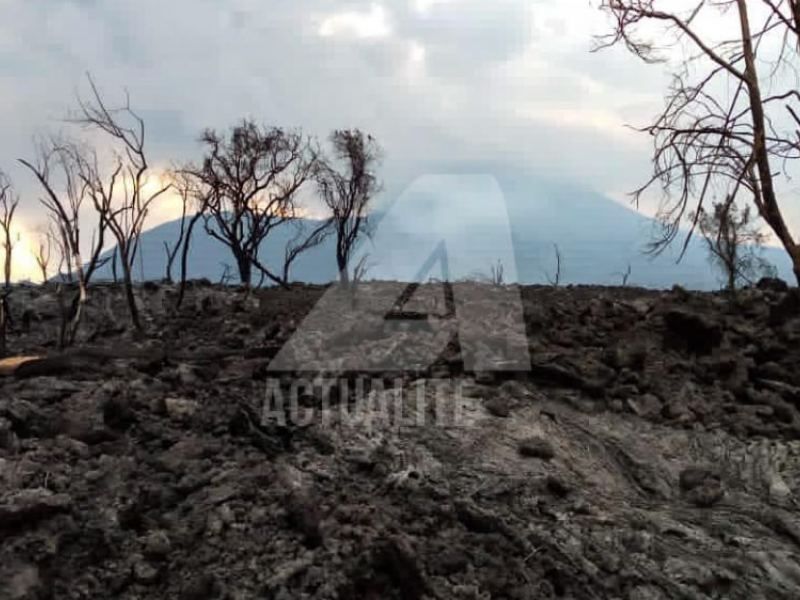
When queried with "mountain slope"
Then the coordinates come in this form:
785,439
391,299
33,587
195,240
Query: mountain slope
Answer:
518,224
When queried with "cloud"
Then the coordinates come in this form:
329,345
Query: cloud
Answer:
461,36
372,24
508,80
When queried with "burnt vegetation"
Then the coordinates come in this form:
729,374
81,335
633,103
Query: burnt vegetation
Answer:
729,128
641,412
98,189
645,448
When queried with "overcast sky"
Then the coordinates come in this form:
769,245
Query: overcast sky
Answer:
498,80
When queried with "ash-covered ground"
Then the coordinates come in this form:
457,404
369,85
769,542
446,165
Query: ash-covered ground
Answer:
650,451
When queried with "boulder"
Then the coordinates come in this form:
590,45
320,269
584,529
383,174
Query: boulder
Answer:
536,447
26,507
785,309
691,331
701,486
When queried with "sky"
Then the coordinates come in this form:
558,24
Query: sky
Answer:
509,81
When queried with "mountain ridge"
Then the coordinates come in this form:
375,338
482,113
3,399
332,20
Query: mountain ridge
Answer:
598,239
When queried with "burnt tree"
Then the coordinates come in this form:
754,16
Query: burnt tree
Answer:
733,240
8,206
46,240
731,124
191,196
249,181
58,168
347,182
123,192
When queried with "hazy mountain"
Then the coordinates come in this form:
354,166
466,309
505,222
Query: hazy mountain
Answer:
519,222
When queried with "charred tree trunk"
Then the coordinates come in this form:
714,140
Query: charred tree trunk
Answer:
245,267
342,263
185,258
75,313
114,265
171,255
8,261
73,316
127,282
3,325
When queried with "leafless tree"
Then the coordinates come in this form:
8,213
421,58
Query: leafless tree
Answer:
120,192
624,275
226,276
308,235
555,279
361,268
60,240
46,238
171,248
733,242
348,182
114,263
249,183
732,111
191,199
58,168
8,206
497,273
4,321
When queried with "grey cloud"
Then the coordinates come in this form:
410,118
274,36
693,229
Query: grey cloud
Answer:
460,37
190,64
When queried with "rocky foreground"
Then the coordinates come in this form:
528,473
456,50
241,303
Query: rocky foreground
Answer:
651,451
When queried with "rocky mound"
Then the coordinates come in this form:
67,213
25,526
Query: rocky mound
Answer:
651,450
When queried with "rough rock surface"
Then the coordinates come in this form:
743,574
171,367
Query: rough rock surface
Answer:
651,451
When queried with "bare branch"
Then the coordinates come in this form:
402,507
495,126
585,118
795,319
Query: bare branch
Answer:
719,132
8,206
347,182
120,196
249,183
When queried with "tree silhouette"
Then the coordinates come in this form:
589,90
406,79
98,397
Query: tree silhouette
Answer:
121,195
731,116
249,183
733,241
347,183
